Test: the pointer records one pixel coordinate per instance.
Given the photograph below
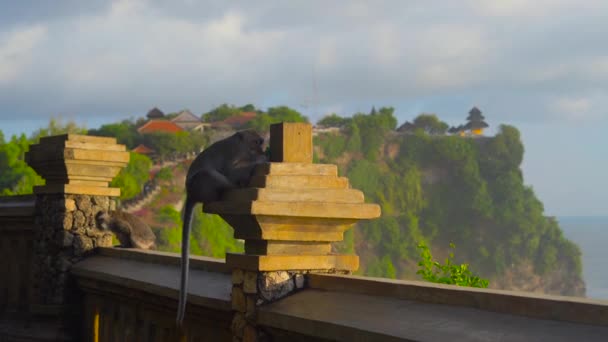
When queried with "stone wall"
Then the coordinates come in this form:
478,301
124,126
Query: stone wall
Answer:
65,233
252,289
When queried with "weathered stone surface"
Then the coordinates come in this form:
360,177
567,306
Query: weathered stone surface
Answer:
264,247
65,239
70,205
238,324
299,280
79,221
239,302
292,262
63,263
275,285
102,201
237,276
68,221
250,334
250,283
291,142
105,241
82,244
282,169
251,312
83,203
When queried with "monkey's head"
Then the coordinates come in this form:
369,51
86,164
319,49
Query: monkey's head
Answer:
252,143
103,220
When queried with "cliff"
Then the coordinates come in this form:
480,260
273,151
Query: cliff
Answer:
441,189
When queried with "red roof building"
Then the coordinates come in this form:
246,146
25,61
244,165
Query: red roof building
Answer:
163,126
142,149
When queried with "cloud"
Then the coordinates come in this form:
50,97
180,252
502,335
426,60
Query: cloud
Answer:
581,109
514,59
16,48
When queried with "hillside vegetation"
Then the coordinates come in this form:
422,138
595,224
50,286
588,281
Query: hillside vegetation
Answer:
433,188
440,189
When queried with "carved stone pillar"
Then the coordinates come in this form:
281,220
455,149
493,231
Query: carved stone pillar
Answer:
288,217
77,170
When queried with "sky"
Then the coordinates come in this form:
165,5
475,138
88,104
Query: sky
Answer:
540,65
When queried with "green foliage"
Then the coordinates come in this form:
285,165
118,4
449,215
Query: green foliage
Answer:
447,188
333,145
430,124
278,114
210,236
333,120
167,144
369,131
381,268
125,133
165,174
16,178
221,112
57,127
447,273
132,178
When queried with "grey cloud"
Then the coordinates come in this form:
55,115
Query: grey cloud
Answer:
430,55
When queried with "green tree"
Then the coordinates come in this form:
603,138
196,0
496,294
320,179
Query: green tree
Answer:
131,179
57,127
125,133
333,120
221,112
262,121
430,124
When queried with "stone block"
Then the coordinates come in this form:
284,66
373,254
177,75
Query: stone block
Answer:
250,283
299,182
237,276
239,302
296,169
289,195
265,247
359,211
291,142
70,205
250,334
292,262
238,324
299,279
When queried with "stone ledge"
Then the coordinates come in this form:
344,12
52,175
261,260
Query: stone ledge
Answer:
340,316
292,262
165,258
207,289
570,309
17,206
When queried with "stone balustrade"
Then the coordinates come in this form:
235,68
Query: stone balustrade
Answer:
61,280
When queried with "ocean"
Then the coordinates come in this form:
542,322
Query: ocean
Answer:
591,235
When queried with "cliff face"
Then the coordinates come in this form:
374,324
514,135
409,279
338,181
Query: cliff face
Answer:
442,189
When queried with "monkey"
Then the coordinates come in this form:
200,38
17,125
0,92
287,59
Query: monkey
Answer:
226,164
130,230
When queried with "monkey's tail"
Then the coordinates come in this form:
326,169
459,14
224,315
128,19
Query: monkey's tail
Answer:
183,289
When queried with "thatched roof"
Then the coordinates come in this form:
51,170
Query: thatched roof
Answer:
406,127
155,113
